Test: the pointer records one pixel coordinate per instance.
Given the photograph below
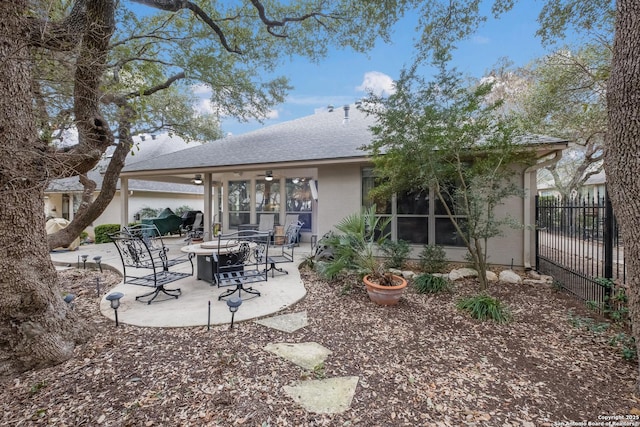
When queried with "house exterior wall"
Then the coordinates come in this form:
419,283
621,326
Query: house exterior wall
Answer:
137,201
142,199
53,205
339,194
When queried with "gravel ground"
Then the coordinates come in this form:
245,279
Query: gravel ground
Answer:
421,363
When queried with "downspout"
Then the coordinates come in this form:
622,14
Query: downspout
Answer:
529,174
124,202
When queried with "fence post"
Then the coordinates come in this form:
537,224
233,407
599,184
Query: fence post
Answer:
608,237
536,225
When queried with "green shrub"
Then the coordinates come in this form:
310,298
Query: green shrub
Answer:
103,230
147,212
615,306
627,345
433,259
483,307
396,252
430,284
307,262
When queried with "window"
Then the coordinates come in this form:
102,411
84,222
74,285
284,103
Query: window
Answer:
368,183
446,233
239,203
413,217
413,214
268,199
300,200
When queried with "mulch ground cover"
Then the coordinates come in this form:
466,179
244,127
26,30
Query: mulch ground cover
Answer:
420,363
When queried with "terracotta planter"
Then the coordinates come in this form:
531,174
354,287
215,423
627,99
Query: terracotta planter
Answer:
385,295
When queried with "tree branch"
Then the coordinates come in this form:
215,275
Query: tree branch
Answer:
177,5
270,23
60,36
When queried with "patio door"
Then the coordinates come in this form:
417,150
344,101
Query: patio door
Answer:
239,203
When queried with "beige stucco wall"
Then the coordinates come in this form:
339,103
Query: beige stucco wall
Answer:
339,194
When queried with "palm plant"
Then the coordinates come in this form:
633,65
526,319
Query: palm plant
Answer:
355,249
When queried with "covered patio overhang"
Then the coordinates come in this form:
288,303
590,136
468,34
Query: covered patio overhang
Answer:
214,178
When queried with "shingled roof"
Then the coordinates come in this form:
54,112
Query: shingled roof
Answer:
325,135
142,151
320,136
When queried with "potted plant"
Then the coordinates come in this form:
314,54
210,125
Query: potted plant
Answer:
356,249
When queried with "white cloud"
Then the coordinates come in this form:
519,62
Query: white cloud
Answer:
378,83
201,89
204,107
272,114
481,40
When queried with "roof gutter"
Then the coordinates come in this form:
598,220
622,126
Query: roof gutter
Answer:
530,174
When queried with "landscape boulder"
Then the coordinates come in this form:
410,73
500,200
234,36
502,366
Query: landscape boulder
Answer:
510,276
461,273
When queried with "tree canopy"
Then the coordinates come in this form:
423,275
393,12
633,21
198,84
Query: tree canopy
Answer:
109,72
447,136
566,97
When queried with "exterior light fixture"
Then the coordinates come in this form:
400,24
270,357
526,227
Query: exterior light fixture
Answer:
233,303
268,176
84,261
98,260
197,180
114,299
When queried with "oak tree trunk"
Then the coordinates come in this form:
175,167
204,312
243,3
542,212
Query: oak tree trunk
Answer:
37,328
622,148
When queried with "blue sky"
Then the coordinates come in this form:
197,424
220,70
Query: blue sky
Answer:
342,77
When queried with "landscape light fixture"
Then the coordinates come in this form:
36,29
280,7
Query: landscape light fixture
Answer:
84,261
233,303
268,176
69,298
98,260
114,299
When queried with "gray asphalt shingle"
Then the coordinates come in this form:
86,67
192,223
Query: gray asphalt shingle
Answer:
323,135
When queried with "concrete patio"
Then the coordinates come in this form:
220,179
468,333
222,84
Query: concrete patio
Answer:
198,299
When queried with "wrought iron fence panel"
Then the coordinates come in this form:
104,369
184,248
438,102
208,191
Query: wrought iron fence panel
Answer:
578,244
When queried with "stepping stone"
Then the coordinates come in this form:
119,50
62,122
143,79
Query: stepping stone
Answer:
286,322
328,396
307,354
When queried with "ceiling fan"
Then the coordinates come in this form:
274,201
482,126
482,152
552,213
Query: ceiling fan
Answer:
197,179
268,175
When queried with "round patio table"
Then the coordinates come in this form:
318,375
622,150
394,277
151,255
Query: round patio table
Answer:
204,251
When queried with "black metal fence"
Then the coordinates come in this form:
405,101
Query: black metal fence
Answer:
578,244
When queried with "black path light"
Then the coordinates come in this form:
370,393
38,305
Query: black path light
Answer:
69,298
233,303
114,299
98,259
84,261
